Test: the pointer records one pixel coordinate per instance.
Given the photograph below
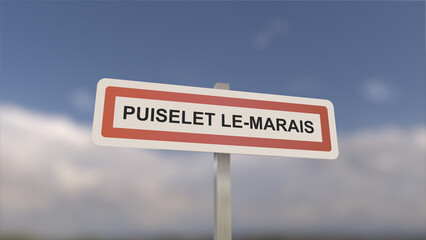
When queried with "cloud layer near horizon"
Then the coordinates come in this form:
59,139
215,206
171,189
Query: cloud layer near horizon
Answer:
55,181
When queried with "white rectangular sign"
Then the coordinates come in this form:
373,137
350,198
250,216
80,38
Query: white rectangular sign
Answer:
162,116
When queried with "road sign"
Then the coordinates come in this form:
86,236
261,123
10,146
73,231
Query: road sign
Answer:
162,116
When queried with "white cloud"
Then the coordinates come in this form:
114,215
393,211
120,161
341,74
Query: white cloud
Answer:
54,181
82,100
273,29
377,90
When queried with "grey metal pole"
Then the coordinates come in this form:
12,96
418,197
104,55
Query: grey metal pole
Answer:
222,190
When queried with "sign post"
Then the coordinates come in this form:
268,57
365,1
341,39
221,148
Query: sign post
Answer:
222,190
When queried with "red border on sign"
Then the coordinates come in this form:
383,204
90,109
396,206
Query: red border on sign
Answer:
110,132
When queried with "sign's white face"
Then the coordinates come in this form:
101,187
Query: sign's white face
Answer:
160,116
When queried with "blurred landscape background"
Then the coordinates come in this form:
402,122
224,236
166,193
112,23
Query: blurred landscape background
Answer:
368,58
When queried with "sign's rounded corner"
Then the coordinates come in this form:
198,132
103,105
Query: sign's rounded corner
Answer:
104,81
97,139
329,104
335,154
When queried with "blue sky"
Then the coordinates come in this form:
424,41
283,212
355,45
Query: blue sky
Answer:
54,52
367,57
